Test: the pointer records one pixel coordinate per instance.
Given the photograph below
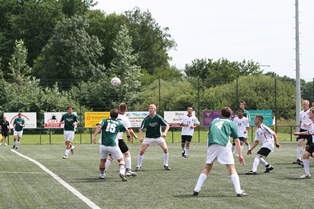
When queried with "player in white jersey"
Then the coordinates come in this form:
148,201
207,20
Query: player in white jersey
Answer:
123,146
310,150
304,126
189,122
243,125
268,138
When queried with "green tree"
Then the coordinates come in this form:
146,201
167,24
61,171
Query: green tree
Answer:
259,93
213,73
124,66
33,21
17,65
70,53
150,41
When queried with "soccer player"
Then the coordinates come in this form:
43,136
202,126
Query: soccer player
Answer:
243,125
18,125
304,126
122,145
152,123
189,122
268,138
246,113
69,120
5,130
219,148
310,149
109,144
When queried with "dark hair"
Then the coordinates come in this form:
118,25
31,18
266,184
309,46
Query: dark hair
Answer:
122,107
240,110
226,112
114,113
242,102
70,106
261,118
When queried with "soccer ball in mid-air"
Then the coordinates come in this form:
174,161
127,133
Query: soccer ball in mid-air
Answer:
115,82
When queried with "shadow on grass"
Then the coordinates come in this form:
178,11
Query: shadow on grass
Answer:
202,195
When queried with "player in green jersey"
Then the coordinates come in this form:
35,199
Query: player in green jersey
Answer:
18,125
109,143
70,121
219,148
152,123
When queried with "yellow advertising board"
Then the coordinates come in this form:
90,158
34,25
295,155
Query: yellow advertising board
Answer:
92,118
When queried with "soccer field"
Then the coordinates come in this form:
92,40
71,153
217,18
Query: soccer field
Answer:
74,183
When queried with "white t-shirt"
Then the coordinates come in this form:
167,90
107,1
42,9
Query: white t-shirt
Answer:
311,130
304,118
266,135
242,124
191,120
125,121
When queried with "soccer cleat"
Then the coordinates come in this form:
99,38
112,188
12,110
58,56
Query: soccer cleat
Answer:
102,175
130,173
65,157
13,146
183,153
251,173
5,144
305,176
185,156
123,177
72,149
166,167
138,168
195,193
269,169
298,162
242,194
0,144
16,147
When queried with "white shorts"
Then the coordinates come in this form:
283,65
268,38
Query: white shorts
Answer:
222,154
150,141
18,133
68,135
115,152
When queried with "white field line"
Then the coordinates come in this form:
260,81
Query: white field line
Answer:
62,182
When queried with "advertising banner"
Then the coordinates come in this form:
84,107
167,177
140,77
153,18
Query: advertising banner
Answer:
29,117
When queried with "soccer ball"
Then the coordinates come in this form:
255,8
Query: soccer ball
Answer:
115,82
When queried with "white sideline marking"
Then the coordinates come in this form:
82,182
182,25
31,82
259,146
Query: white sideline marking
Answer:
62,182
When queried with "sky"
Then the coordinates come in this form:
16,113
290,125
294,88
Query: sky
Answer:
258,30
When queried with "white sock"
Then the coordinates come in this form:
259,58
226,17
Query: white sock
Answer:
128,162
306,165
139,160
263,162
15,142
67,152
236,183
248,146
108,163
186,150
18,144
255,164
200,182
122,169
299,153
166,158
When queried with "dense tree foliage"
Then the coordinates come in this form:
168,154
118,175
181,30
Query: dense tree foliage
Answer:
71,53
213,73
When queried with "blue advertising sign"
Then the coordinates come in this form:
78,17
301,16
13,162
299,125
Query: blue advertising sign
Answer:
267,114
